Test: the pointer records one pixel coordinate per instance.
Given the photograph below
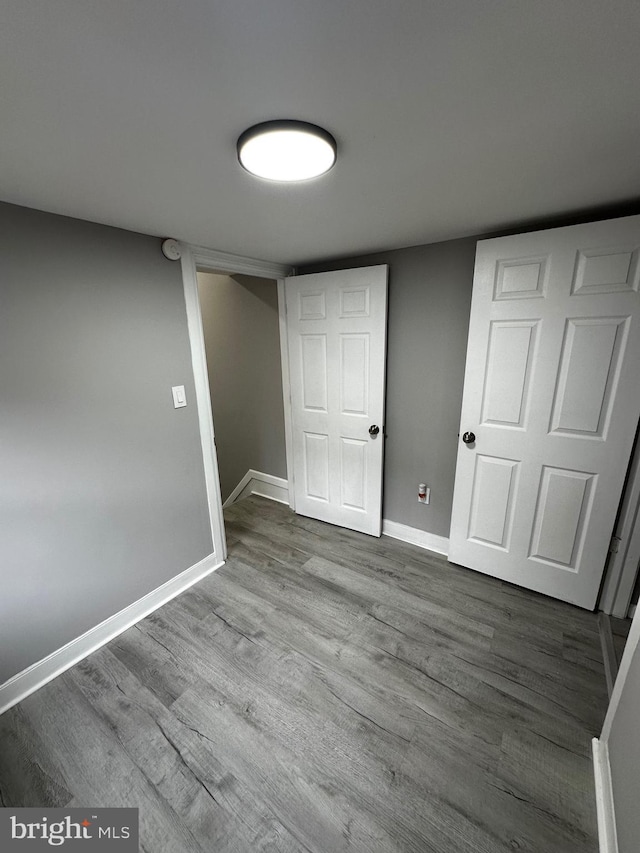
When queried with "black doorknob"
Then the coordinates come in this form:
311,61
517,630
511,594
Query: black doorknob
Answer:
469,437
373,429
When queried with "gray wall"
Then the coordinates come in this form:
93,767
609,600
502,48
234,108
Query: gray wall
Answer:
429,305
102,492
242,339
624,758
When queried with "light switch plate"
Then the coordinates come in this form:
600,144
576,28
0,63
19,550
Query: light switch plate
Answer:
179,397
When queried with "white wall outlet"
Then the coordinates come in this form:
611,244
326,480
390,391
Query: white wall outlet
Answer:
179,396
424,494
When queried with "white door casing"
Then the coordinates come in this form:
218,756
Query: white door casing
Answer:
552,395
336,330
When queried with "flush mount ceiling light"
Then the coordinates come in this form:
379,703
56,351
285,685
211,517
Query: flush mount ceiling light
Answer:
286,150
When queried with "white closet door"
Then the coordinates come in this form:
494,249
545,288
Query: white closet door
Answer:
336,328
552,395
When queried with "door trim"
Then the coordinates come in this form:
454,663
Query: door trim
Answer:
194,258
212,259
286,389
622,568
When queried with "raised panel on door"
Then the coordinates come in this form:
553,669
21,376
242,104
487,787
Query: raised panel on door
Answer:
354,374
312,306
353,474
606,270
520,278
354,302
588,375
492,502
313,352
563,509
508,373
551,394
316,466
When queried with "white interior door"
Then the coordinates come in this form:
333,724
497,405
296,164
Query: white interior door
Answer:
552,396
336,330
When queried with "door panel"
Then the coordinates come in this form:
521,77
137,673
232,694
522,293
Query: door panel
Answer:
312,306
353,474
354,375
562,516
492,501
314,372
608,271
511,346
551,392
588,374
336,328
316,466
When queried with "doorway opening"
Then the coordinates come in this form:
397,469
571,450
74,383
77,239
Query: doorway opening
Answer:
238,315
195,260
240,325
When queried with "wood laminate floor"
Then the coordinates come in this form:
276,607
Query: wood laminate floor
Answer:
326,691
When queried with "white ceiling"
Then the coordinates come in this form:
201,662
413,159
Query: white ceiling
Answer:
452,117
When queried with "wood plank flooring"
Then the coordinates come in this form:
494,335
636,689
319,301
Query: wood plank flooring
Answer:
326,691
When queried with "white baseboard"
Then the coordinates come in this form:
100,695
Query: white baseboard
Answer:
277,489
632,611
429,541
257,483
38,674
607,836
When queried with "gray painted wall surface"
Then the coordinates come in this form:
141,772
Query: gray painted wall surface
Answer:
102,492
242,339
624,758
429,305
